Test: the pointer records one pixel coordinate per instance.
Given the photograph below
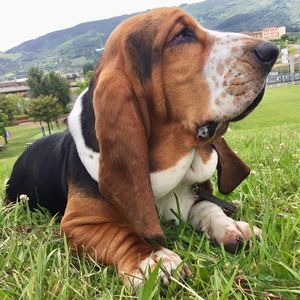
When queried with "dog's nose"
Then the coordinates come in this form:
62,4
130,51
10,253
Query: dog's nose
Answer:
267,54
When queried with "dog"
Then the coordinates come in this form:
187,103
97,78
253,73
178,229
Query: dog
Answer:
148,128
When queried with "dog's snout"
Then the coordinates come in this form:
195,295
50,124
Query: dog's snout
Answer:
267,54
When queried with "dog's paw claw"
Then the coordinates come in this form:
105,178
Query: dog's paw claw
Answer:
169,262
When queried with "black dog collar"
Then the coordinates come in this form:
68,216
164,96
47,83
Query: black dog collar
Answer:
202,195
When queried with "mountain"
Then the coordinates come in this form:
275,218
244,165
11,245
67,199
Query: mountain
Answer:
64,50
246,15
70,49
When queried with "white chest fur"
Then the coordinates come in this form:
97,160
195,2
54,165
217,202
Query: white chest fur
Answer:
189,170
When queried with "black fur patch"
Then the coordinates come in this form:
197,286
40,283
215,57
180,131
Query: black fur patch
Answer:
78,175
88,119
40,173
141,49
43,170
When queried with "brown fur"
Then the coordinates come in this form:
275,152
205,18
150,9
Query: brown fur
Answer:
93,225
231,169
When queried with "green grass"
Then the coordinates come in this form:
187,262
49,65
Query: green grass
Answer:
279,107
35,262
20,136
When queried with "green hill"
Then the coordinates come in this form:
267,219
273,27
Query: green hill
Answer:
69,49
64,50
246,15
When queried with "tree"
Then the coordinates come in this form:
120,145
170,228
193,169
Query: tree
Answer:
3,123
35,82
87,68
50,84
45,109
19,103
57,86
286,37
81,85
8,107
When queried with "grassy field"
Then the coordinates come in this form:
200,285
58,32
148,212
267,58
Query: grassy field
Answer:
35,262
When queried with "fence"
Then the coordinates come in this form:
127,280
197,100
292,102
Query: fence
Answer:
282,77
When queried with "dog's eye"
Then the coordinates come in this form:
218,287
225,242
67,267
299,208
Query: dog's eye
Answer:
183,36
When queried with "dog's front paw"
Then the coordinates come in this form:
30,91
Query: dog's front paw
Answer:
233,234
169,262
221,229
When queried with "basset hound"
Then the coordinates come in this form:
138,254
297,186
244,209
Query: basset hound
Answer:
147,129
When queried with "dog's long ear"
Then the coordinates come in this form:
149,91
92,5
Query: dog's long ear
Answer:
231,169
124,177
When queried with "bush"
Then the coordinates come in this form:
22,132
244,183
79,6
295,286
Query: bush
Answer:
21,117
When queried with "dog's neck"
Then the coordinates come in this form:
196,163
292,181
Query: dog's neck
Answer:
84,137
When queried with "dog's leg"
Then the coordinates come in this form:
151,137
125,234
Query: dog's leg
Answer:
211,219
93,225
179,200
205,216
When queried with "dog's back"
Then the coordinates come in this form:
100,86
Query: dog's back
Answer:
40,173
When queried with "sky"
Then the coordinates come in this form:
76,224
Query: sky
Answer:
22,20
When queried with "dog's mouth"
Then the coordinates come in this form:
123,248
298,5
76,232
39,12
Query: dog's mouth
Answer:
251,107
209,129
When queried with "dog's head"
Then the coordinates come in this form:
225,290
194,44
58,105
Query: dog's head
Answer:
159,67
190,74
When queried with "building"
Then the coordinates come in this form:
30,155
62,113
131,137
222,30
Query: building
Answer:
273,33
14,86
255,34
269,33
20,85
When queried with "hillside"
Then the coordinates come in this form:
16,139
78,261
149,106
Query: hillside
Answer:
64,50
69,49
246,15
